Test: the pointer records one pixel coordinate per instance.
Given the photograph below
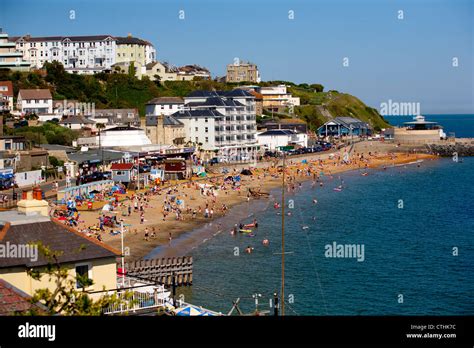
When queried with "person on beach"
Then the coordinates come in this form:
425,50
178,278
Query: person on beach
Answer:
142,218
153,234
170,238
146,234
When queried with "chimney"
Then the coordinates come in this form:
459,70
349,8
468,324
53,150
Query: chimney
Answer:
32,203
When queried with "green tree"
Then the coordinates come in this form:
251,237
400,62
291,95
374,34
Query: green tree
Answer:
131,69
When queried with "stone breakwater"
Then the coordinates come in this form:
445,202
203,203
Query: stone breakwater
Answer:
462,148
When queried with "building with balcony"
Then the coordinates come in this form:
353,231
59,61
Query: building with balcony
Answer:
6,96
84,54
222,122
10,57
38,101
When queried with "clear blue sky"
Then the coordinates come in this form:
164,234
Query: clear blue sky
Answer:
407,60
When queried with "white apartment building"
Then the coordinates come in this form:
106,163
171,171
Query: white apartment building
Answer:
164,106
83,54
221,122
38,101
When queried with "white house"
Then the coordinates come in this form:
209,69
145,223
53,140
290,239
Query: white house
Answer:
275,138
123,136
164,106
37,101
77,122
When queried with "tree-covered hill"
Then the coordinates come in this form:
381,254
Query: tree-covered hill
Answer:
119,90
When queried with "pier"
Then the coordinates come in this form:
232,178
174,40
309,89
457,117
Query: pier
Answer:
163,270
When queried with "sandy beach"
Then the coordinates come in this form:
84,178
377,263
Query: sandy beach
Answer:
162,217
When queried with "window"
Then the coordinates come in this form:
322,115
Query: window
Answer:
207,139
196,129
206,129
82,270
205,120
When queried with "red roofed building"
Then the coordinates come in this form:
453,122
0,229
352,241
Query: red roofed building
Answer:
13,301
6,96
122,172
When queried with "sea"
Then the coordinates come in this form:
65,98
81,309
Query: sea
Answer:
399,241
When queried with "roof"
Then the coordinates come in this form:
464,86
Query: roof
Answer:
76,119
14,301
284,121
276,132
152,120
203,94
347,122
130,40
9,91
216,101
236,93
197,113
256,94
61,38
74,246
56,147
95,156
121,128
166,101
35,94
122,166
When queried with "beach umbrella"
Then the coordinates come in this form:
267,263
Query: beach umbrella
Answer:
189,310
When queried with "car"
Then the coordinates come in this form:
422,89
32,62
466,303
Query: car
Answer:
144,168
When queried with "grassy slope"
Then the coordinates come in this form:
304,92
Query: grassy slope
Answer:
320,106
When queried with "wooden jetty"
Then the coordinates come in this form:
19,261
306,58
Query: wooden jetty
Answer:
163,270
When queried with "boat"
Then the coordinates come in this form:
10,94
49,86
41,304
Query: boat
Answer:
250,225
338,189
245,231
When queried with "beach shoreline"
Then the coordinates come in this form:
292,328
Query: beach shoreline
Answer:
189,233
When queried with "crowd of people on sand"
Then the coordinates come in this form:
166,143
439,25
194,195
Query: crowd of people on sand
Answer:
174,203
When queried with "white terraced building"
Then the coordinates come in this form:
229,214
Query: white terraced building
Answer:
222,122
83,54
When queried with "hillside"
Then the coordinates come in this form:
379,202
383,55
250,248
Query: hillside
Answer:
118,90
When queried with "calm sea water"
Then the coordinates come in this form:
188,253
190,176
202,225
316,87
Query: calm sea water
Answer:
461,125
408,250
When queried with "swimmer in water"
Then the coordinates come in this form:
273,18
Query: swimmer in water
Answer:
265,242
249,250
315,201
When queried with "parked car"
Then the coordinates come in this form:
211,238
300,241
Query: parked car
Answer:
144,168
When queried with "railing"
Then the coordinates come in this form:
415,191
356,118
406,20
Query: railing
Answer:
134,301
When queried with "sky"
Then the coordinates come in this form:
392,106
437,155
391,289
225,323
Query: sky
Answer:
406,51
